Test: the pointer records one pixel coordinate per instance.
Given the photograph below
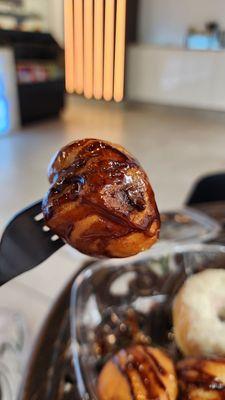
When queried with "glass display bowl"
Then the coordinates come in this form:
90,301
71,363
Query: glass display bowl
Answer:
116,303
13,344
188,226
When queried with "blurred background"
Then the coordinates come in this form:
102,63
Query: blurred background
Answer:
172,116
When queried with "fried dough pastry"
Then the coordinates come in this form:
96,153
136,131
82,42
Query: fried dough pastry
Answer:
202,379
139,372
100,200
198,314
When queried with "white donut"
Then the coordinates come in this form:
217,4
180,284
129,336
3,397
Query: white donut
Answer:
199,314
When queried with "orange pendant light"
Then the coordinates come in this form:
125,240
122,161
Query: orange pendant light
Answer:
95,48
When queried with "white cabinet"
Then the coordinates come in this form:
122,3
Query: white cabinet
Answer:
176,76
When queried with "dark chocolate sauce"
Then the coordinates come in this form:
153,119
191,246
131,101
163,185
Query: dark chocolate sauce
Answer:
159,367
192,374
150,371
90,178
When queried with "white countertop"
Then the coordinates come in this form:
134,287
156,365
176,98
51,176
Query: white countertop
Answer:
171,47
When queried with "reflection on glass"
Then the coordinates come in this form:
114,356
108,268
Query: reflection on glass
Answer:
12,345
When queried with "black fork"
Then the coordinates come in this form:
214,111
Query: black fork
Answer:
26,243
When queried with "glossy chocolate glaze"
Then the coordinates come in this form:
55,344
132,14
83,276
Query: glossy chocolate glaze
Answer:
94,178
141,360
192,374
140,363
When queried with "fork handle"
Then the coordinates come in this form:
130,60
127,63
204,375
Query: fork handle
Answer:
7,272
10,270
24,244
11,267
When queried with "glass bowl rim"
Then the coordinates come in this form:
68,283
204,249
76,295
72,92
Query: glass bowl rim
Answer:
162,248
213,226
159,250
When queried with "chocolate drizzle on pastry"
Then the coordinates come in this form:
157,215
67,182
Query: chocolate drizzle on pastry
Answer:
148,372
103,194
202,378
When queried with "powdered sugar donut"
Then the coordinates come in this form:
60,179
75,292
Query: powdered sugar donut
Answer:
199,314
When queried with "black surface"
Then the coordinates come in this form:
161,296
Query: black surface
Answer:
31,45
41,100
208,189
132,20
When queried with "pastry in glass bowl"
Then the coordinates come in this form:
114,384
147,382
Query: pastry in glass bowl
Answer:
139,372
202,379
199,314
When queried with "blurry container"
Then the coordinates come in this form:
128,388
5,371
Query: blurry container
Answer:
137,293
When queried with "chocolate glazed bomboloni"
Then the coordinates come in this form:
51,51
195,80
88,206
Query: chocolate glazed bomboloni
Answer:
138,373
100,200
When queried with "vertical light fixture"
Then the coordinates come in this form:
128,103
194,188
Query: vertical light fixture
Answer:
69,44
109,49
120,50
88,48
95,48
78,46
98,48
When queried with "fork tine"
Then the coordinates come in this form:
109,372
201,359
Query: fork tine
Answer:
25,243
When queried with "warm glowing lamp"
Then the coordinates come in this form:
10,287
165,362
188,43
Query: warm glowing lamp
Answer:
95,33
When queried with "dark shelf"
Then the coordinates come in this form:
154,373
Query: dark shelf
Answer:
31,45
37,100
41,100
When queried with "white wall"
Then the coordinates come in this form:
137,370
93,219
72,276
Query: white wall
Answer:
40,7
52,12
55,19
167,21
